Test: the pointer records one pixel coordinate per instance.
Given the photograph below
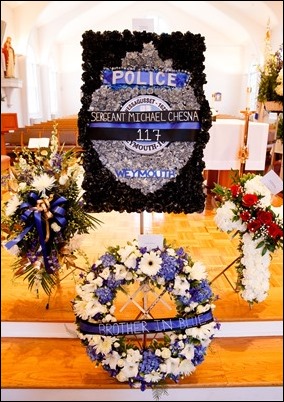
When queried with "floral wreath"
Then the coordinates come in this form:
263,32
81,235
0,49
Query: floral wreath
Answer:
246,208
190,332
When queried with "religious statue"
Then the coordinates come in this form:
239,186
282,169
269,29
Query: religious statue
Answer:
9,56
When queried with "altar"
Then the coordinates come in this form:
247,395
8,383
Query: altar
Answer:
221,153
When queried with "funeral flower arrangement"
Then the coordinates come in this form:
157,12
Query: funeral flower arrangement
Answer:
246,208
107,188
45,213
172,356
271,73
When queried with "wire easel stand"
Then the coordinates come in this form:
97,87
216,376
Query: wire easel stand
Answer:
243,156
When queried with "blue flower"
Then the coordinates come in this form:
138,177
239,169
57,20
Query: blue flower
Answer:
105,295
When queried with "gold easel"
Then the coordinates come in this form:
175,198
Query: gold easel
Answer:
243,156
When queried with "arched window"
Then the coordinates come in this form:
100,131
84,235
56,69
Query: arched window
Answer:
53,95
33,91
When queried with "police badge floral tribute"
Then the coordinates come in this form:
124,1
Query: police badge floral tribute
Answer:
144,121
183,340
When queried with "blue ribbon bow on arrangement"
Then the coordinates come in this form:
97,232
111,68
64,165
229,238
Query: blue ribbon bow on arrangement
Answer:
38,212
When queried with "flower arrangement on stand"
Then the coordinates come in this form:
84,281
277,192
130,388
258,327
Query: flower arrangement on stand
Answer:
44,216
245,208
271,74
115,345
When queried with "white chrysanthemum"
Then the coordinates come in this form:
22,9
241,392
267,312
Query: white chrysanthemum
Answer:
150,263
105,345
198,271
186,367
12,205
256,186
202,333
255,275
43,182
87,309
224,218
154,376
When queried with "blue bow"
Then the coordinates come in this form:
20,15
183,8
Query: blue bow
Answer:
37,212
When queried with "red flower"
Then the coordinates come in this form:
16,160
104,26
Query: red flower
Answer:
264,216
235,190
245,216
254,225
249,200
274,230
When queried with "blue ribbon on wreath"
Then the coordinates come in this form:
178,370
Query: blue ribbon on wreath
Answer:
36,212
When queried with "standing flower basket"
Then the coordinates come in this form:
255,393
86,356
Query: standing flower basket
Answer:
245,208
45,214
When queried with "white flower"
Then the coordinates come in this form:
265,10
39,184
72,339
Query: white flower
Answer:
22,186
171,365
165,353
154,376
111,359
188,351
12,205
63,179
224,218
119,354
181,286
125,252
150,263
278,212
120,272
198,271
105,345
105,273
130,262
43,182
186,367
256,186
55,227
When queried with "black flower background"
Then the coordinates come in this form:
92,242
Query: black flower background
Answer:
103,191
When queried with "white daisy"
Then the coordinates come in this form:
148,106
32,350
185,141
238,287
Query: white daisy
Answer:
150,263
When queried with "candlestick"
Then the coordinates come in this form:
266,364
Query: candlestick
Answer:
244,151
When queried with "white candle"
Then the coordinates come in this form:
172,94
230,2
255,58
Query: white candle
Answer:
248,97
